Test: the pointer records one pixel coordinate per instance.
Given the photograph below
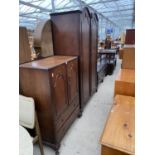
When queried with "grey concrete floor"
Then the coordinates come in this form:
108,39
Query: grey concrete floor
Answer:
84,135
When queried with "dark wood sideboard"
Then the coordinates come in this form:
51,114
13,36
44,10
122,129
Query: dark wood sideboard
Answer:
73,32
53,83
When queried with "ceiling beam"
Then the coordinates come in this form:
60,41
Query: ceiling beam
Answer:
103,2
34,6
53,5
25,16
27,13
128,9
123,15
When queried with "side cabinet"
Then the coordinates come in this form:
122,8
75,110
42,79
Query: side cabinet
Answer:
53,83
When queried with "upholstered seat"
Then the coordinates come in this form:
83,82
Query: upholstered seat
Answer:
26,112
28,118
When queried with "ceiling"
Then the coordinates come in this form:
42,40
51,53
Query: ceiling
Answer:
116,14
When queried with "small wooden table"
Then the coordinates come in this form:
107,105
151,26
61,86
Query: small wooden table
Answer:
110,58
118,137
110,53
125,82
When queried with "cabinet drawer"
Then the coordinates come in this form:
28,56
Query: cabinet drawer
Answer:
60,134
62,119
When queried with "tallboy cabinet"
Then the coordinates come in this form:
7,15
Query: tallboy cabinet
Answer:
53,83
72,36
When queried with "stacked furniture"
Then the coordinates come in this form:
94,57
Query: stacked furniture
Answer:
75,33
101,67
118,136
110,59
53,83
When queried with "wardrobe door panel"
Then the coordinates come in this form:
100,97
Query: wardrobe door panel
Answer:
93,56
85,28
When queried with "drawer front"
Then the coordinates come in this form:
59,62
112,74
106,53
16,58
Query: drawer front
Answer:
73,83
62,119
60,134
59,89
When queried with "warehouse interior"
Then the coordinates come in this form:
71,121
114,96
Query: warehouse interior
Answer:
77,77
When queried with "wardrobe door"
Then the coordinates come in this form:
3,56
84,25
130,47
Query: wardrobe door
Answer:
85,44
72,73
93,55
59,89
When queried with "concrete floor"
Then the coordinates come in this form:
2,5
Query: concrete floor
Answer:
84,135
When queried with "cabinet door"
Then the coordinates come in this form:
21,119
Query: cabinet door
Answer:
72,72
59,89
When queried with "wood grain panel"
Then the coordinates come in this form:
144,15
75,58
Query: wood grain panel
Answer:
59,93
119,131
109,151
24,47
93,54
85,54
73,80
128,61
125,82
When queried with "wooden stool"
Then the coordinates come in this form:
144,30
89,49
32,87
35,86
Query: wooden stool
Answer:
118,136
125,82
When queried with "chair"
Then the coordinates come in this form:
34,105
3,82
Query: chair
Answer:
28,118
